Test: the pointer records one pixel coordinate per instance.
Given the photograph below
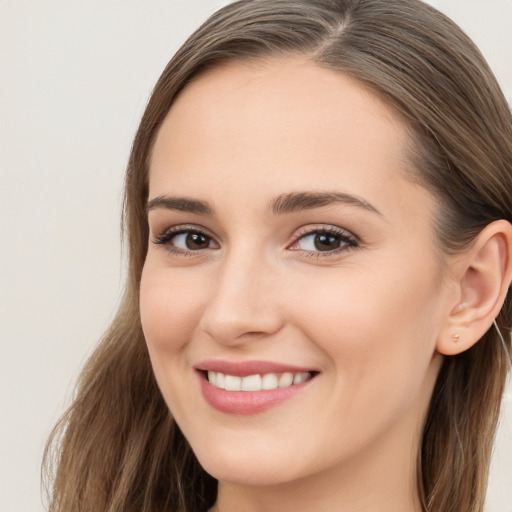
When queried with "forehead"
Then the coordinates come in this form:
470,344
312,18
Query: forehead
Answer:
278,124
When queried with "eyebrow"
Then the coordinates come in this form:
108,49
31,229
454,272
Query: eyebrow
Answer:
284,203
295,201
181,204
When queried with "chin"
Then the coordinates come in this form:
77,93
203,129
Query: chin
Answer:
250,465
249,473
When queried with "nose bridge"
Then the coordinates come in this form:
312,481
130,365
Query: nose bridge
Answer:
243,301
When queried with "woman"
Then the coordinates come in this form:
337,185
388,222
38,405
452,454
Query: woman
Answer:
318,218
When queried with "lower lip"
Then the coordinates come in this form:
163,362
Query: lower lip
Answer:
247,402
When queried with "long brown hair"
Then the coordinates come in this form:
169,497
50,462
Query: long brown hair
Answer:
117,447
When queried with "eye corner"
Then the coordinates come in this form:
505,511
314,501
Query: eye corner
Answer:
187,240
323,240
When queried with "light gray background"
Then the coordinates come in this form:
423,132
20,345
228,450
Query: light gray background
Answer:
74,79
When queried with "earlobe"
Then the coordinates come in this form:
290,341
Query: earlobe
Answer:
484,275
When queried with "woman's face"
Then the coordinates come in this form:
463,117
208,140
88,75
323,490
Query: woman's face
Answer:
288,248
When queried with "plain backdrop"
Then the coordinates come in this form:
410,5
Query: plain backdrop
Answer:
74,79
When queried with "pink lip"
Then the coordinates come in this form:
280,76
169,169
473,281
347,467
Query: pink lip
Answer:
247,402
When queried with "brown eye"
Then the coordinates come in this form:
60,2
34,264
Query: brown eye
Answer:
322,241
327,242
186,241
195,241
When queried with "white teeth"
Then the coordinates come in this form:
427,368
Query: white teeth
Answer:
233,383
286,380
300,377
269,381
251,383
221,380
256,382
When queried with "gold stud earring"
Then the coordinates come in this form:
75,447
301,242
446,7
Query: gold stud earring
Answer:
456,337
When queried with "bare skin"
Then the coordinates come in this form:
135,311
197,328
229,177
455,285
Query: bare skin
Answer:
364,307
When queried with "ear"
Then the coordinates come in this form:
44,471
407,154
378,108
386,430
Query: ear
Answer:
482,275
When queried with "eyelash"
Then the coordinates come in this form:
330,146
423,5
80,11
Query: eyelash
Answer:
347,240
166,237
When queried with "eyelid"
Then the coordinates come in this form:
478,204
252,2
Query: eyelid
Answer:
168,234
350,240
182,228
326,228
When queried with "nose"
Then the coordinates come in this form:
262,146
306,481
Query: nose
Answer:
244,304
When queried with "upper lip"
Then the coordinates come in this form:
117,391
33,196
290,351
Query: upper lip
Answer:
245,368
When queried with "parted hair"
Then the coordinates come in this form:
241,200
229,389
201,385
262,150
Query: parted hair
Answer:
117,447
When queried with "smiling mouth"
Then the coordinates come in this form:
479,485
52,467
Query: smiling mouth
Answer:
257,382
251,387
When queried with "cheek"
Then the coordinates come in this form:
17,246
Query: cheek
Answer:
170,310
375,325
